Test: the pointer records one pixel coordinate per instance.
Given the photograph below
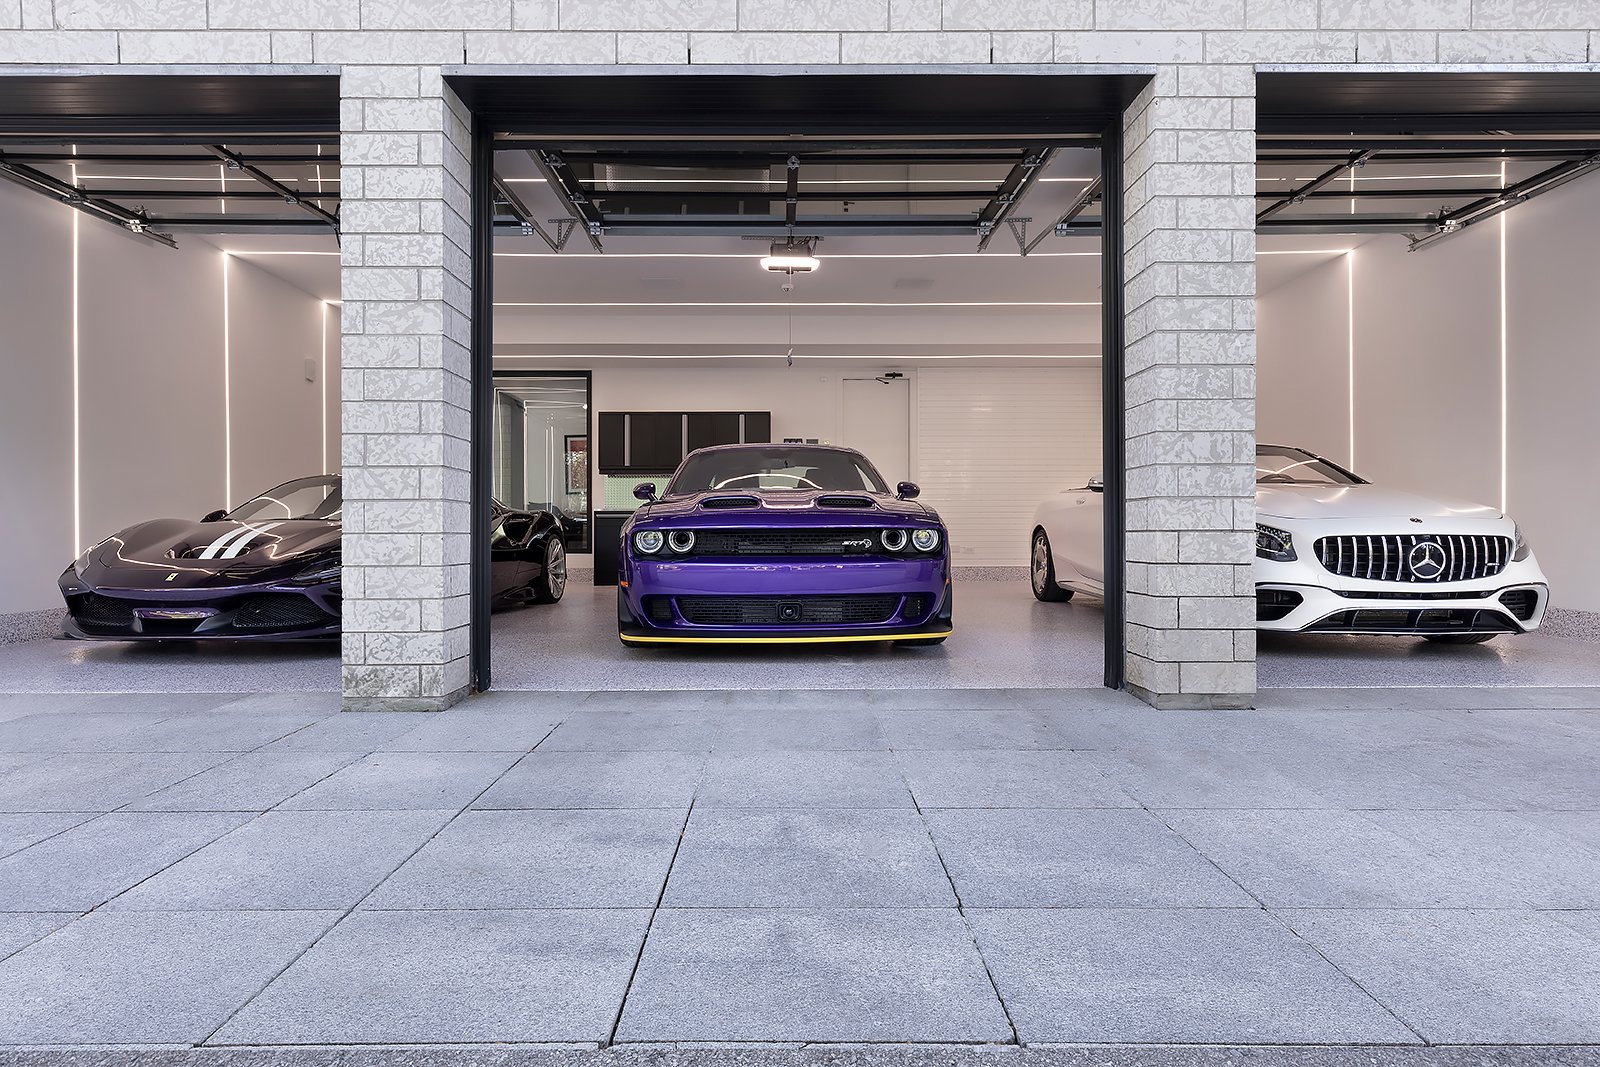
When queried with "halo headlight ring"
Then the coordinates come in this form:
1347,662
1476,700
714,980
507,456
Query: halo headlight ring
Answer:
925,539
648,542
681,541
893,540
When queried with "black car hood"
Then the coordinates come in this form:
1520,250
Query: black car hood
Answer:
736,502
182,553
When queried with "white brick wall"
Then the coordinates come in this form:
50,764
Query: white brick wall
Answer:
1190,241
407,410
1189,155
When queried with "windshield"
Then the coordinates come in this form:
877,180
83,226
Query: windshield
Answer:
304,498
733,469
1280,465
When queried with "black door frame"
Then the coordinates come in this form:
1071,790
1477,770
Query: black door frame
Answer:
491,115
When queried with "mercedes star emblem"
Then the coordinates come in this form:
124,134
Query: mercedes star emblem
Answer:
1427,560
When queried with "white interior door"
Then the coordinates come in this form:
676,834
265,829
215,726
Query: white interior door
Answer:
877,423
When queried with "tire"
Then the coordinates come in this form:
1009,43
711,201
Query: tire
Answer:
920,642
1042,572
550,585
1460,639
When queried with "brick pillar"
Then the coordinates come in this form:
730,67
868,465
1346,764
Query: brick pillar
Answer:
1190,379
404,175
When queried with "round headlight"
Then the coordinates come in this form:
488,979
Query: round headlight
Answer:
893,540
681,540
648,541
925,540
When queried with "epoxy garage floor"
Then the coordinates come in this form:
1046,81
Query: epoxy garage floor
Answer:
1002,867
1004,639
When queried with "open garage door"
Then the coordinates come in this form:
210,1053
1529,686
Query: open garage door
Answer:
171,353
1426,310
875,264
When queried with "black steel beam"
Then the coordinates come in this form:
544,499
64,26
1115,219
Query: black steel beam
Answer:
206,160
609,145
734,158
564,181
1113,433
791,202
156,193
84,201
1385,194
290,196
482,387
801,196
774,226
1337,146
1295,196
1012,189
1273,159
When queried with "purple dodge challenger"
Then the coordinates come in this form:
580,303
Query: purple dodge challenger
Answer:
782,544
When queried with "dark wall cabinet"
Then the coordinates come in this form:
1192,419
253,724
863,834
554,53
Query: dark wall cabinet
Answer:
655,442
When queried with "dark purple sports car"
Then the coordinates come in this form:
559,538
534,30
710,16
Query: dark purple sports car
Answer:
268,569
783,543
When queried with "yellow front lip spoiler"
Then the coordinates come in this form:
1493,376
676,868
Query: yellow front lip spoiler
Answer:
852,638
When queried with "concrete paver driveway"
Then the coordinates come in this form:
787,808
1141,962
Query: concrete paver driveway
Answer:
974,868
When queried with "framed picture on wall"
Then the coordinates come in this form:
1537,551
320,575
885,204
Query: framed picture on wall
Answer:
577,463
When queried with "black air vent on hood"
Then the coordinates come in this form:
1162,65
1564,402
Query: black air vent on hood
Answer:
724,503
845,502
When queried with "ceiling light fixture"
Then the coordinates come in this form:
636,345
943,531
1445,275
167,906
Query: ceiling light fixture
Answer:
793,256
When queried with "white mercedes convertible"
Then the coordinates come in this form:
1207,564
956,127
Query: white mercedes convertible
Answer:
1336,554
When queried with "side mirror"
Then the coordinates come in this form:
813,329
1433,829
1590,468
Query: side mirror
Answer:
645,491
908,490
215,516
1096,485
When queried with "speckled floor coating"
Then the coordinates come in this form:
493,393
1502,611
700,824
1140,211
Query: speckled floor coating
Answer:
1004,640
956,878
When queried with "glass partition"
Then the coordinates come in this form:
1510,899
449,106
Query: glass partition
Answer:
541,447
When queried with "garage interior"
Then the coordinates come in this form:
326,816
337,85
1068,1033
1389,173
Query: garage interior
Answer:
1425,315
950,331
163,380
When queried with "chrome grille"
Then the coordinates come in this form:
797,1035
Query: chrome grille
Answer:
1388,557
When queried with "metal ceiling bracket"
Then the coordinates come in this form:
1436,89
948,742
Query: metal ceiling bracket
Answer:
564,228
530,227
558,173
1453,222
1012,189
1063,226
1019,230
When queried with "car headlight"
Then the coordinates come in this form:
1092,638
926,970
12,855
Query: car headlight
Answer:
88,554
324,570
1273,543
648,541
680,541
893,540
1520,549
925,540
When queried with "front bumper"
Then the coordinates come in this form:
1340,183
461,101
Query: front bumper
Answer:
784,602
271,611
1302,597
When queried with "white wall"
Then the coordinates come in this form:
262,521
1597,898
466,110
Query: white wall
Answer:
1427,398
35,398
990,445
151,402
986,444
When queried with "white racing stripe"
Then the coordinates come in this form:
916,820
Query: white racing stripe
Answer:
217,546
243,543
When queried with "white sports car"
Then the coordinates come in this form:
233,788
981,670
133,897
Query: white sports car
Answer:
1336,554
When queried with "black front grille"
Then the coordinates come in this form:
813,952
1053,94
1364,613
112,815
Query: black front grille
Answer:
1404,557
99,613
1415,621
280,611
780,542
1520,602
1274,604
659,608
788,611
